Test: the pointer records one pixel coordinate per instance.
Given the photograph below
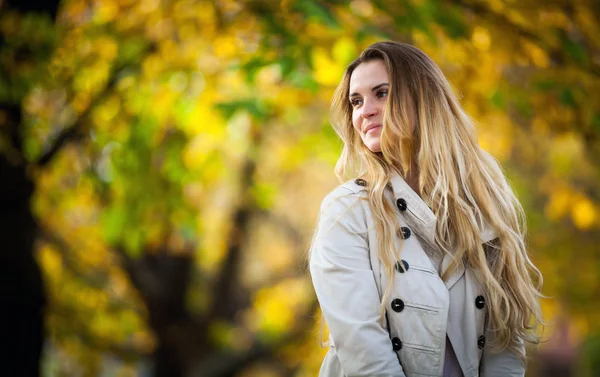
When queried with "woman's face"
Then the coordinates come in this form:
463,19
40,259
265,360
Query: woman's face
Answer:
369,85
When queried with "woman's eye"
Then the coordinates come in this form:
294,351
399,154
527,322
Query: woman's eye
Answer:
355,102
382,94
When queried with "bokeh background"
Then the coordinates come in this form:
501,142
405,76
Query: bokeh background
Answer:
162,163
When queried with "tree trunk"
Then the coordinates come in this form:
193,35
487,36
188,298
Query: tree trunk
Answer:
22,295
22,300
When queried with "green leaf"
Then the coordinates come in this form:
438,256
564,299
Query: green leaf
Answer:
567,98
575,50
451,20
497,99
596,121
287,65
133,241
173,167
252,67
131,50
113,222
545,85
264,195
313,10
256,108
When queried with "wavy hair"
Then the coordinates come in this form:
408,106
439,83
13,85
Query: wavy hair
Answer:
425,126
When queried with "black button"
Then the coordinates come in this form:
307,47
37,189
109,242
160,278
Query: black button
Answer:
480,302
397,344
398,305
405,232
360,182
401,264
401,203
481,342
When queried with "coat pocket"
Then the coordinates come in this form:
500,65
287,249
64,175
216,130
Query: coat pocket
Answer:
422,307
418,360
421,348
424,270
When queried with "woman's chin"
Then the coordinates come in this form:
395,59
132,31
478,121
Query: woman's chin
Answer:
374,147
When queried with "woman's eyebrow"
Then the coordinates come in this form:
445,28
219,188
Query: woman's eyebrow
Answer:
376,87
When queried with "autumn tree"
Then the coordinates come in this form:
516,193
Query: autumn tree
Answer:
166,160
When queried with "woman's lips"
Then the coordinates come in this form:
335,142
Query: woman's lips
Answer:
370,130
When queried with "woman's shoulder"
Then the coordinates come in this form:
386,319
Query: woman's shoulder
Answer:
345,196
344,208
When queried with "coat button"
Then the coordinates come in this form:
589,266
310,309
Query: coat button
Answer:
401,203
405,232
480,302
360,182
397,344
481,342
402,266
398,305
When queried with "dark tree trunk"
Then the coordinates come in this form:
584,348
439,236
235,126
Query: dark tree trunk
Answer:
163,279
22,295
22,299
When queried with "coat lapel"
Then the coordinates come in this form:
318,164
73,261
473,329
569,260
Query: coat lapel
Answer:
486,235
417,214
422,220
456,275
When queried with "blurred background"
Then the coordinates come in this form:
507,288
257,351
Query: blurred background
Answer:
162,163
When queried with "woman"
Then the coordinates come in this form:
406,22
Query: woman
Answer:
419,265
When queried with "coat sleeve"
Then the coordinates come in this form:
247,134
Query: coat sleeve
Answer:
501,364
345,286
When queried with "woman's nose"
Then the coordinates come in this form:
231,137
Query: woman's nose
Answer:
369,109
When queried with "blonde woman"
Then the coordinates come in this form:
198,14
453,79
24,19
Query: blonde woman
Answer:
419,264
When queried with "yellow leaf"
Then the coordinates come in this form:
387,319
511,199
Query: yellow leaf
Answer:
106,11
538,56
50,260
327,71
583,213
481,38
275,306
225,46
559,204
106,48
344,50
151,66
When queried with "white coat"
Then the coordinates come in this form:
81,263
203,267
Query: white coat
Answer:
349,281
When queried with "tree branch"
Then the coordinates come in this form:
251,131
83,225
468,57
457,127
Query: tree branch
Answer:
162,278
228,296
69,134
504,22
66,251
78,130
95,280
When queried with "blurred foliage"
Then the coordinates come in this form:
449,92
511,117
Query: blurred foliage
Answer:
197,131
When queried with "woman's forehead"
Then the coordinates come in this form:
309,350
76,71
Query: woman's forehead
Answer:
368,75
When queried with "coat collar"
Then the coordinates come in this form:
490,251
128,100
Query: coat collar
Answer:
422,220
418,215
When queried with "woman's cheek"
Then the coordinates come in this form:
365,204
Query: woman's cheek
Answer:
355,123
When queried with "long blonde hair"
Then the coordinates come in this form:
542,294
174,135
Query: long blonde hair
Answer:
425,126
